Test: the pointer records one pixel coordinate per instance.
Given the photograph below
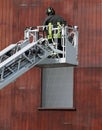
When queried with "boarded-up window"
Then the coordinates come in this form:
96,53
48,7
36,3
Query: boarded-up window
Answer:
57,87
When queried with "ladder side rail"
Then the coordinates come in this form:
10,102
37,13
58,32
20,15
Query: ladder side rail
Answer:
22,44
21,71
22,66
18,54
3,53
10,47
11,50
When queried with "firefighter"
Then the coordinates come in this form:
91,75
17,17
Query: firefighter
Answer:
53,20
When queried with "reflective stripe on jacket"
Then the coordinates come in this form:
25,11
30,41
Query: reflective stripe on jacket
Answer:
51,33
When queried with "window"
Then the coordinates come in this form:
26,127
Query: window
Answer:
57,88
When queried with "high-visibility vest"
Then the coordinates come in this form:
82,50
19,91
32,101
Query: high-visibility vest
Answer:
58,34
51,34
49,31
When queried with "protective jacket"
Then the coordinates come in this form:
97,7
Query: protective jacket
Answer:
54,19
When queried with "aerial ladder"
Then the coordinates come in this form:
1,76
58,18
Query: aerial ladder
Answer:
36,50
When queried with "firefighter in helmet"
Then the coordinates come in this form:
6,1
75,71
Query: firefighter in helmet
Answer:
53,20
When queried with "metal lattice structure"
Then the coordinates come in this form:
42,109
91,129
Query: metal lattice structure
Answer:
34,50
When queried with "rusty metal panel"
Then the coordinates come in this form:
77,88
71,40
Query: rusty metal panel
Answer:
6,23
88,85
6,34
88,16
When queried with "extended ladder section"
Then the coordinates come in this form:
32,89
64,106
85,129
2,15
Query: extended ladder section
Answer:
36,49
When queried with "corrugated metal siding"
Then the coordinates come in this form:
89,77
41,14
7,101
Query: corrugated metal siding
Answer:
6,22
88,97
19,101
89,20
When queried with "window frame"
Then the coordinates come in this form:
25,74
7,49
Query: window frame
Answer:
73,108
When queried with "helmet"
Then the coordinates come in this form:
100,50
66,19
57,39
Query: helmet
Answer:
50,11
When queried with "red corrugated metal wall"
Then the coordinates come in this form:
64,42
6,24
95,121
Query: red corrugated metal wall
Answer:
20,100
